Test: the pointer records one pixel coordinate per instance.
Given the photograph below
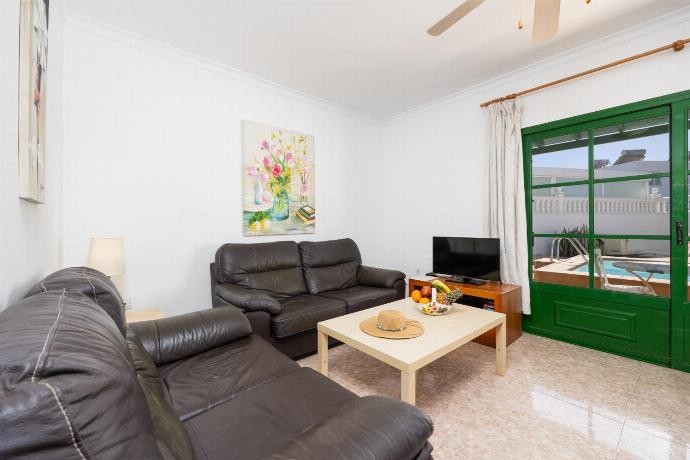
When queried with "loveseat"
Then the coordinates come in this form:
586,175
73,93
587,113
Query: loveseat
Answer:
286,288
77,382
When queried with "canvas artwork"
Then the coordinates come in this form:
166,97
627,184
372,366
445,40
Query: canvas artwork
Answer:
277,181
33,62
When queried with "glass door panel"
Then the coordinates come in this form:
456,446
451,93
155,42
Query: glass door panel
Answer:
635,266
555,260
632,148
633,207
562,158
560,209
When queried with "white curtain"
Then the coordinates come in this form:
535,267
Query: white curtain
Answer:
506,217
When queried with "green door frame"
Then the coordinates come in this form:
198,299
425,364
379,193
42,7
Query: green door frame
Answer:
680,305
674,312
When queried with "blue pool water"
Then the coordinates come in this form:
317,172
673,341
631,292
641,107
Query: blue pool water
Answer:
611,270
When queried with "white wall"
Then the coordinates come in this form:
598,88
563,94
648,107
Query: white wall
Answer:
152,142
435,155
30,234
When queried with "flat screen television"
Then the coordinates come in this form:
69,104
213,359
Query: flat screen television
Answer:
467,259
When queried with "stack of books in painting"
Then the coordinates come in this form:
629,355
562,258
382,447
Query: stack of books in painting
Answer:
306,215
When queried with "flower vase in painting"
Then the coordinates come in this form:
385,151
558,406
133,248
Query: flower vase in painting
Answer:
278,184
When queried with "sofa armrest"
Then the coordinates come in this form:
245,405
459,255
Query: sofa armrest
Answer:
378,277
174,338
247,299
368,427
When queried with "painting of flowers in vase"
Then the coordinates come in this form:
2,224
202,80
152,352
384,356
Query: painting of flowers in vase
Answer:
277,181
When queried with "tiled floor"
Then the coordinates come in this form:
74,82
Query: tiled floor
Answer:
556,401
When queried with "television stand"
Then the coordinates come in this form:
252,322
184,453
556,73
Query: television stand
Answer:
489,295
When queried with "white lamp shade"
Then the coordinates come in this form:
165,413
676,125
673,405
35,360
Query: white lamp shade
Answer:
107,255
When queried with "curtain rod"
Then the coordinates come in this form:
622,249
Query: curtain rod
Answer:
676,46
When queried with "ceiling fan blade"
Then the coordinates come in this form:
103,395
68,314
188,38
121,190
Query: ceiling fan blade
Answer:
546,15
453,17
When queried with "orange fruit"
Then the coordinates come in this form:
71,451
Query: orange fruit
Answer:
416,295
424,300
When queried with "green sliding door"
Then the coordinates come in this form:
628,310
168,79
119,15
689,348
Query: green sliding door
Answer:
607,204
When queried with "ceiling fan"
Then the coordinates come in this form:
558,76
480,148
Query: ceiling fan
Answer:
546,14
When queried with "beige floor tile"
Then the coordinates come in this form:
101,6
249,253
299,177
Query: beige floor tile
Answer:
593,390
518,443
569,423
639,444
462,423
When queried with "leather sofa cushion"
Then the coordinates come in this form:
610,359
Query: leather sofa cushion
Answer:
330,265
201,382
171,436
301,313
93,284
272,267
373,426
68,388
263,419
361,297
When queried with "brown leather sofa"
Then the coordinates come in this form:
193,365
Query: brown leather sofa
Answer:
286,288
76,382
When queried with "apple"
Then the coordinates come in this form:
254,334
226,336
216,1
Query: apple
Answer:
426,291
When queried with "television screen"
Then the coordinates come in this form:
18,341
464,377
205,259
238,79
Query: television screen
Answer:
470,257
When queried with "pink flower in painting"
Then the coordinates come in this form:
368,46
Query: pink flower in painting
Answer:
264,145
266,197
277,170
304,189
307,169
251,171
263,177
280,153
290,159
267,161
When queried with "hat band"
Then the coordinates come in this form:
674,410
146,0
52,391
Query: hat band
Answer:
391,330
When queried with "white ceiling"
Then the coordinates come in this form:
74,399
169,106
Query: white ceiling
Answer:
370,55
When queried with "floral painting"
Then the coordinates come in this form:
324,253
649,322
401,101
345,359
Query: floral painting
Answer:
33,64
277,181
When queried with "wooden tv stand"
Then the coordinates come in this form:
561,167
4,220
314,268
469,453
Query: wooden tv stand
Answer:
506,298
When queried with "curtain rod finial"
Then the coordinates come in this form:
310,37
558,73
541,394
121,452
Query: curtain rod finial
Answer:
678,45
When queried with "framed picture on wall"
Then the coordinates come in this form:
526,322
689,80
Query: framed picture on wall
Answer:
33,63
278,195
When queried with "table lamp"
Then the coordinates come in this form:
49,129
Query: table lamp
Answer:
107,255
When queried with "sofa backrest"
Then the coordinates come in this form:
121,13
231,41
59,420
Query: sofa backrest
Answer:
93,284
274,267
330,265
69,388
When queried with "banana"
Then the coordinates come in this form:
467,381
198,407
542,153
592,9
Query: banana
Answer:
440,286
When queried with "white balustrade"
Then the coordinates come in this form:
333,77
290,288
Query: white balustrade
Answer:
579,205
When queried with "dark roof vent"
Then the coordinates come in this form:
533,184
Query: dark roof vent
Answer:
628,156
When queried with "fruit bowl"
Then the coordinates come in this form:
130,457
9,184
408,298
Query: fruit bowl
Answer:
433,309
436,299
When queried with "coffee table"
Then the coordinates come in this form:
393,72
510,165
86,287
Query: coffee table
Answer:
442,334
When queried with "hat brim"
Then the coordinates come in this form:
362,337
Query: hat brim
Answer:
413,329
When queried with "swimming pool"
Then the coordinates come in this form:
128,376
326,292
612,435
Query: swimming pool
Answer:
611,270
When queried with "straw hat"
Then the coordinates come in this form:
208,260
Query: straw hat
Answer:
391,324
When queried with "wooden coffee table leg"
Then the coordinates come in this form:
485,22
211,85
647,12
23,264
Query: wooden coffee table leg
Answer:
501,348
322,345
407,386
